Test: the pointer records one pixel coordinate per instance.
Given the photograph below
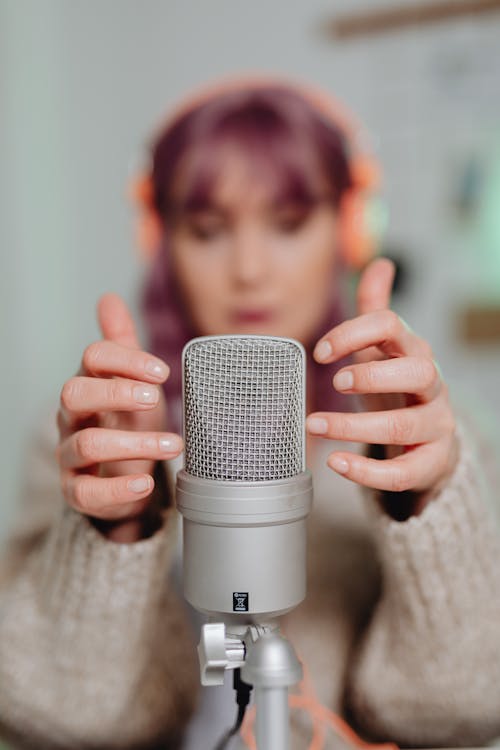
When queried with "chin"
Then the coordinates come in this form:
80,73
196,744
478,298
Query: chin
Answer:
272,327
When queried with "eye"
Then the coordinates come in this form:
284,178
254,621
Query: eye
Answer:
202,232
205,228
291,220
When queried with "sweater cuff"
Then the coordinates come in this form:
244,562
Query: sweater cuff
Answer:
441,563
86,577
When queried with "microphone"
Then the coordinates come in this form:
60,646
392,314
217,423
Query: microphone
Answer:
244,492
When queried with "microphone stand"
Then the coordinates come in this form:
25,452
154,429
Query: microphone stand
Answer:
267,661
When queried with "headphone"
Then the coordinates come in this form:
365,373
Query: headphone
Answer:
359,235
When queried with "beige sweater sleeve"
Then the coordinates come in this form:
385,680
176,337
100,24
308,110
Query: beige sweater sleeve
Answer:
427,672
95,647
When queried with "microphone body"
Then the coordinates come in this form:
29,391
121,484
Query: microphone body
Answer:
244,492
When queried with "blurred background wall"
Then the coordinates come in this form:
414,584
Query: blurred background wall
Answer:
83,84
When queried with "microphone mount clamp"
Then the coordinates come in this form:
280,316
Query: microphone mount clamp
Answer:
266,660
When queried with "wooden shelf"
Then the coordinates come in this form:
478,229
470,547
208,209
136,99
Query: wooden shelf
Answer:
395,18
480,324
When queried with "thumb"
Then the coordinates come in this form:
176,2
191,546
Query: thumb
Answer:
116,322
375,285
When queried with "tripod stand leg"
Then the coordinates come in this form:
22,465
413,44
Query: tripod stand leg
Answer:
272,718
271,666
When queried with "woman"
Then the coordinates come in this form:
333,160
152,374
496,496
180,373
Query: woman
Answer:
252,223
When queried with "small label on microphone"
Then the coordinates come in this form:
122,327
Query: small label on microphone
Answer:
240,601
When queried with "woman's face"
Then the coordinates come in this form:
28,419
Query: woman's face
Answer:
246,265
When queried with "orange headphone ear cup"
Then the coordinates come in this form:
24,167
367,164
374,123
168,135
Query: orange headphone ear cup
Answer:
148,230
358,240
357,243
148,236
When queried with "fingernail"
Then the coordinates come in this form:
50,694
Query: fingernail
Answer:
145,395
323,350
170,444
343,380
139,485
316,425
339,464
156,368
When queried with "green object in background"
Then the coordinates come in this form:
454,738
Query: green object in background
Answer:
489,228
377,217
477,203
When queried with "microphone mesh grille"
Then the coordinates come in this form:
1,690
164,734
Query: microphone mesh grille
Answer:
244,408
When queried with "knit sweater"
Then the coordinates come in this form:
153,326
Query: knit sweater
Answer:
399,629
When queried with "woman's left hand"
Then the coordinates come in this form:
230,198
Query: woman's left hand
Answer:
399,382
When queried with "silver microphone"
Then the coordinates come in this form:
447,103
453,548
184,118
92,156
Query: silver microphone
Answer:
244,492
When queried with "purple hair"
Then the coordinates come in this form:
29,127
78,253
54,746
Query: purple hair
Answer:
306,158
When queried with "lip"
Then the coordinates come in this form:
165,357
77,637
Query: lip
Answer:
252,315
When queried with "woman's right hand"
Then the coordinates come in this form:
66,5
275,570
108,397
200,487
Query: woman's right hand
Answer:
111,423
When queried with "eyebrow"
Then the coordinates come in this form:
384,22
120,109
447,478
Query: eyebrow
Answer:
277,203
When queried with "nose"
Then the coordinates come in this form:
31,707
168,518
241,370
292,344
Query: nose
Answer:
249,258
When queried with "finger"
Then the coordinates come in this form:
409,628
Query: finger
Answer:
375,286
412,425
382,328
417,470
374,293
110,358
416,375
96,444
82,396
110,498
116,322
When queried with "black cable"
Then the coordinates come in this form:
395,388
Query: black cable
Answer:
242,699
